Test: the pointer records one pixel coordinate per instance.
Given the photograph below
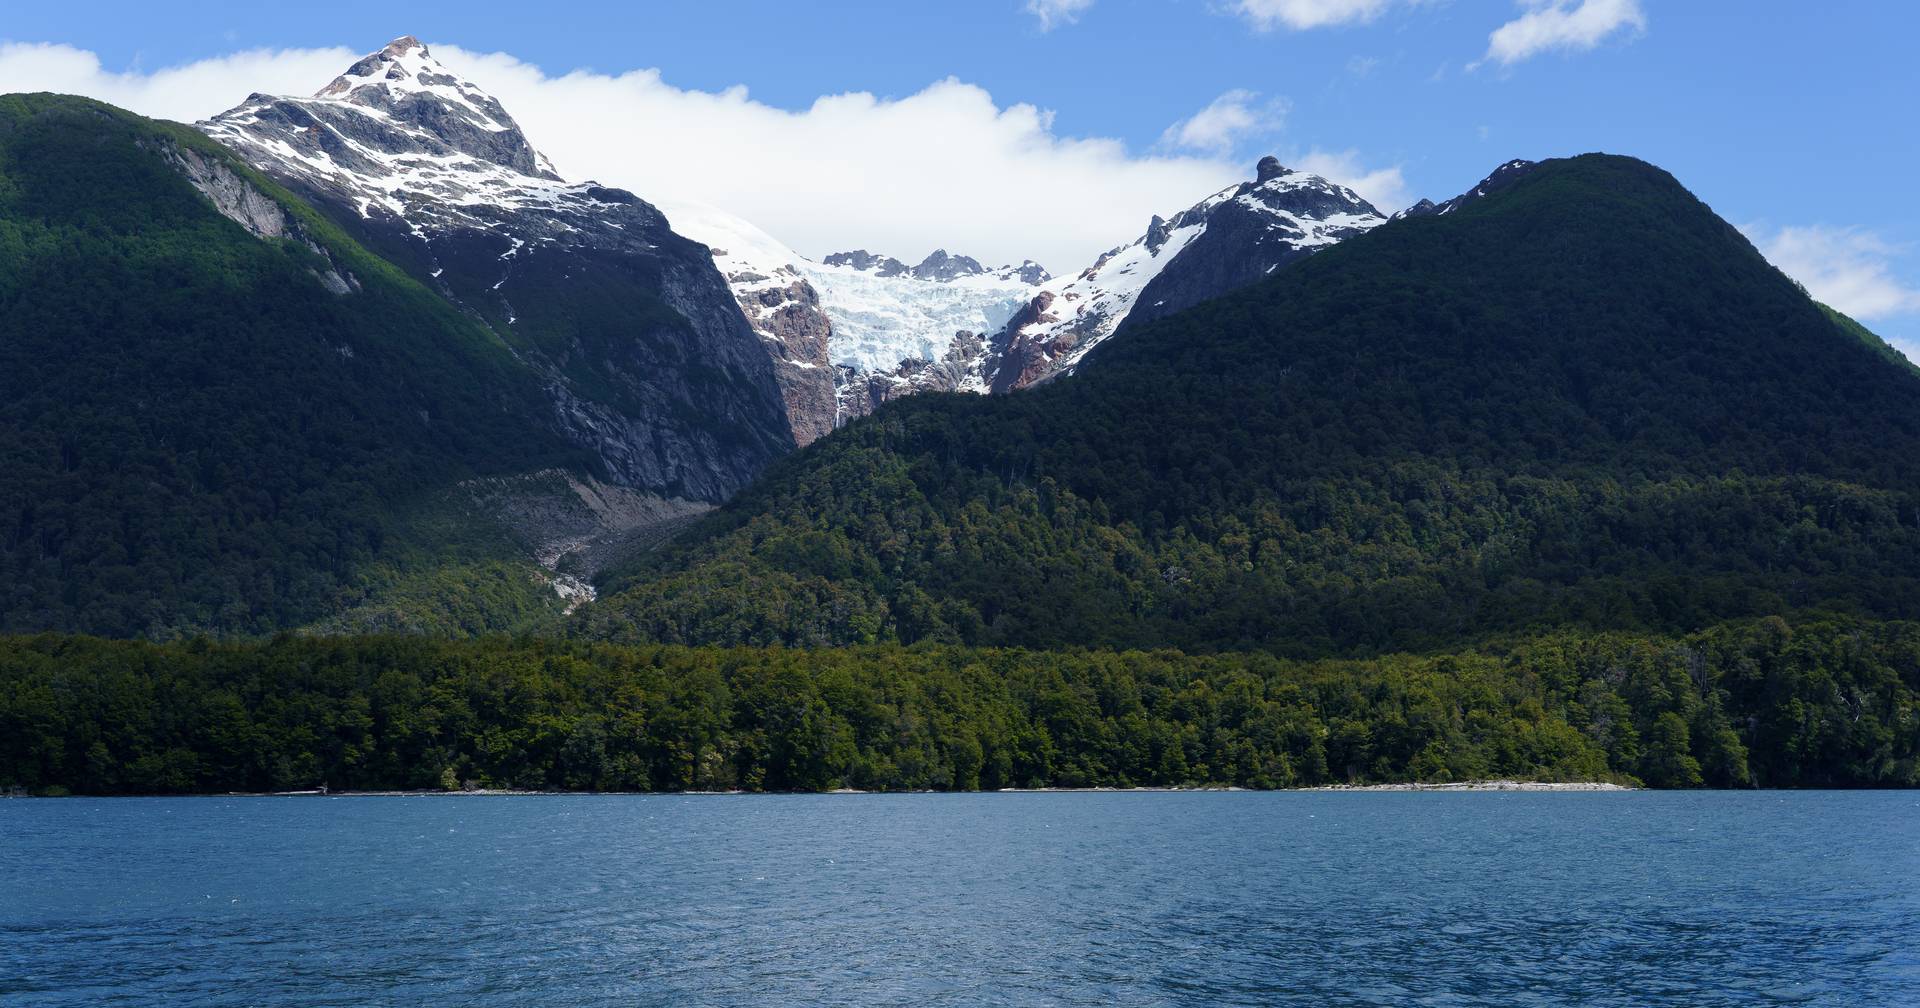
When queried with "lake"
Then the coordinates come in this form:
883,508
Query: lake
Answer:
999,899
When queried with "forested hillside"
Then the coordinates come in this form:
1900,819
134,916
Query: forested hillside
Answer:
1583,401
207,431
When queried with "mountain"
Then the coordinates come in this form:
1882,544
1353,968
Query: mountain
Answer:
1231,239
648,363
877,329
1580,399
1502,177
221,414
939,266
855,328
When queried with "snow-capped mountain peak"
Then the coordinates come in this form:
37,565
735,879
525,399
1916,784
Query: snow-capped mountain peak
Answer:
1502,177
411,138
403,79
858,327
1226,241
430,171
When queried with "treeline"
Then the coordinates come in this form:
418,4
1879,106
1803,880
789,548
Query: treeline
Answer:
1829,702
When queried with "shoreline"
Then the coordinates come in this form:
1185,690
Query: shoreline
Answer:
1461,787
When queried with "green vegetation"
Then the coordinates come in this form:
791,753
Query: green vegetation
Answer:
1584,402
1823,703
449,600
1871,339
197,435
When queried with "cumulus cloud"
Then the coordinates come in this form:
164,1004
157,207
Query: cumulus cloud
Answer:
1385,188
1225,123
1054,13
946,166
1848,268
1230,125
183,93
1300,15
1561,24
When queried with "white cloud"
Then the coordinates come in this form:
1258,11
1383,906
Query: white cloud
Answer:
1054,13
1848,268
182,93
946,166
1225,127
1561,24
1385,188
1225,123
1300,15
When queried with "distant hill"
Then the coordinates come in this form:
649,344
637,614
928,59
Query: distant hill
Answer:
1577,398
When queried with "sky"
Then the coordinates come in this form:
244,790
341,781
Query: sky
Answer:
1053,129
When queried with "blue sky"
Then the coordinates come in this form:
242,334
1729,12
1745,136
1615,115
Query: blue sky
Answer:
1794,120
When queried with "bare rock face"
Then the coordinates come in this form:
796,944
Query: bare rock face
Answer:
242,202
944,267
651,366
798,331
867,262
236,198
782,307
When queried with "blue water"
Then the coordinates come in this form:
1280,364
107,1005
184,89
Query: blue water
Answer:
1084,899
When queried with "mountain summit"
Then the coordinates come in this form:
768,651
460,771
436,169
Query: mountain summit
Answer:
1231,239
403,135
651,366
406,83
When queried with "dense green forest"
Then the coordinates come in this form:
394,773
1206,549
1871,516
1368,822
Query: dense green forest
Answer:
198,435
1584,401
1826,702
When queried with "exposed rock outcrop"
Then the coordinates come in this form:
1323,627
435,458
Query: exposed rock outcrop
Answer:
242,202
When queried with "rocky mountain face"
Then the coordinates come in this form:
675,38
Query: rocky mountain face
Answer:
858,328
1231,239
855,329
781,305
650,364
940,266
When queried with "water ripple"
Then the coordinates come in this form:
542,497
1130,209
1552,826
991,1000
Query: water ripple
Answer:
1066,899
